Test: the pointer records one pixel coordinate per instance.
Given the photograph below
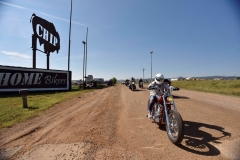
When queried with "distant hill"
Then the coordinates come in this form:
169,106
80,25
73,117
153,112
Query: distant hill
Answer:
213,77
204,77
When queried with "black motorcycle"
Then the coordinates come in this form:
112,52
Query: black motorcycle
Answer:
132,85
140,84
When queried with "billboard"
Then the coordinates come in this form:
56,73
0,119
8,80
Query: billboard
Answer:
15,78
46,33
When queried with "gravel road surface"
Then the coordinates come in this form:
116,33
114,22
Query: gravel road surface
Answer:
111,123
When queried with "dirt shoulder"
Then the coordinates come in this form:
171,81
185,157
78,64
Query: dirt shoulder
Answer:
111,123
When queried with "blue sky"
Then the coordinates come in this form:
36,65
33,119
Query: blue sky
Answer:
188,38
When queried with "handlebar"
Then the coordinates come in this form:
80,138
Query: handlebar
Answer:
150,88
176,89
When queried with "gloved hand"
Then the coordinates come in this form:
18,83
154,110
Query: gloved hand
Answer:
174,88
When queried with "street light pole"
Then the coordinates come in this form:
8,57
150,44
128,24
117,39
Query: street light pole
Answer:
86,53
69,41
143,73
83,62
151,64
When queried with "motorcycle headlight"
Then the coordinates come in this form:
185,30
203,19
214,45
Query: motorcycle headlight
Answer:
170,99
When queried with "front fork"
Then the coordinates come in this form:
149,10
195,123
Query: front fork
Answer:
166,112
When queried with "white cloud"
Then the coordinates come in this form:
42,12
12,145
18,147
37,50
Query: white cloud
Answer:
16,54
59,18
13,5
63,19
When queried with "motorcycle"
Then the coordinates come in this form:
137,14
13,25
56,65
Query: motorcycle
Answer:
164,112
140,84
127,82
132,86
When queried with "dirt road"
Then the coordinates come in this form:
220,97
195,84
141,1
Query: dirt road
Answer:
111,123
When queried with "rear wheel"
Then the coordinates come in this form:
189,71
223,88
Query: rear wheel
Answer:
175,129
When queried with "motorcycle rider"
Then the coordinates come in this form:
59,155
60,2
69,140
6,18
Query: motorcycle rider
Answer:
133,79
131,85
156,87
139,82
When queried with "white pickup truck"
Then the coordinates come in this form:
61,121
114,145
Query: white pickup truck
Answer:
89,81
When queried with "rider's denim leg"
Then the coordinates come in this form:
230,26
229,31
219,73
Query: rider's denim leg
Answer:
151,98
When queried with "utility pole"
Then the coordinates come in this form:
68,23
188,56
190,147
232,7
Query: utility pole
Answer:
86,54
151,64
143,73
84,43
69,41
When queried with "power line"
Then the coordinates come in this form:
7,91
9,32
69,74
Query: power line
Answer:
76,58
229,31
16,56
205,64
56,61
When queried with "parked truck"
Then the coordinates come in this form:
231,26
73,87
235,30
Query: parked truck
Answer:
89,82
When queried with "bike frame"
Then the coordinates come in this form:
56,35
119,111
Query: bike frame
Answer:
163,106
166,107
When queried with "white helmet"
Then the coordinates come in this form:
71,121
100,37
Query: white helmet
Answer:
159,78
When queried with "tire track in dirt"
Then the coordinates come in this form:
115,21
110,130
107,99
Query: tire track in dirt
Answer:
51,127
111,123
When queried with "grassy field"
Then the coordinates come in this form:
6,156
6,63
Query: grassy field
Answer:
12,111
224,87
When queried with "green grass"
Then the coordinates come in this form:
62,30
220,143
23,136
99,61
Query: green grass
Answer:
224,87
12,111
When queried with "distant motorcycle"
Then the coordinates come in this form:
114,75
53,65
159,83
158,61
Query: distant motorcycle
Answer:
110,83
140,84
166,81
127,82
165,112
132,85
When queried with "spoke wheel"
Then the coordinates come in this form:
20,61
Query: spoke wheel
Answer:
175,129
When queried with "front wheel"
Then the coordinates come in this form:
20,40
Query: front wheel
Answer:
132,87
175,129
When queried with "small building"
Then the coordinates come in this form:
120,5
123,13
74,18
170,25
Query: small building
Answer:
99,80
189,78
177,79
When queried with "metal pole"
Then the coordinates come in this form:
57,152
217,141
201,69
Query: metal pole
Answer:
34,48
83,60
86,53
143,73
48,54
69,41
151,64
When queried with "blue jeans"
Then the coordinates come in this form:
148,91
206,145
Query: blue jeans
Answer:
151,102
